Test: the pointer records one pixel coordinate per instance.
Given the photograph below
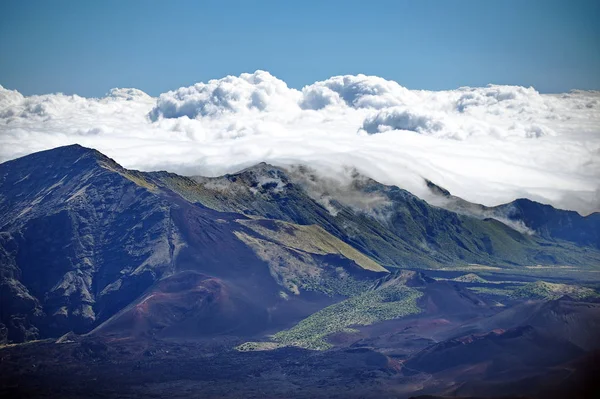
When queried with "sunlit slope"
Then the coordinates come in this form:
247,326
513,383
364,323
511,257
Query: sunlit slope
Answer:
312,239
390,225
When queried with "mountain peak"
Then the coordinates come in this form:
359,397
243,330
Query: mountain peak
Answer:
64,155
60,159
261,169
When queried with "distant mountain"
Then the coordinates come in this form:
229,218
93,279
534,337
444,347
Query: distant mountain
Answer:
526,215
86,243
554,223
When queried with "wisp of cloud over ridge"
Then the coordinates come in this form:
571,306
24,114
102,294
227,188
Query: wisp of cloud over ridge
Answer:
486,144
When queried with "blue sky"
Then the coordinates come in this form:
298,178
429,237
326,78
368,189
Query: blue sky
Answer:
87,47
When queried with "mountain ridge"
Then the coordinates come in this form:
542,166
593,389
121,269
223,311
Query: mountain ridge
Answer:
529,216
82,238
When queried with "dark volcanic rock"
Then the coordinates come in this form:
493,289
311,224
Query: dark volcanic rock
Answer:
76,228
514,348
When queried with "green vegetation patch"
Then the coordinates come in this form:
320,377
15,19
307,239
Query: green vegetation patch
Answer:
507,291
194,192
135,176
549,291
258,346
387,303
312,239
295,270
538,290
470,278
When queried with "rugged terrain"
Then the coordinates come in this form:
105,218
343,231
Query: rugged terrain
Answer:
283,282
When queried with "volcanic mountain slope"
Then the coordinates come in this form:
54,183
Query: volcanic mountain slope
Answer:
183,285
492,363
187,304
385,222
82,238
76,228
570,320
513,351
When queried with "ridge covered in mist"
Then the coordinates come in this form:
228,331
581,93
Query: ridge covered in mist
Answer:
488,145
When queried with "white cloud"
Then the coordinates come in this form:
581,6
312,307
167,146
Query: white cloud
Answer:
357,92
401,118
489,145
259,91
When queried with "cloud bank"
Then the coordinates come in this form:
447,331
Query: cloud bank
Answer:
486,144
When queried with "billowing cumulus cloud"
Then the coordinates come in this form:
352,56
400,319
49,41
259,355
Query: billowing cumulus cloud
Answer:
490,144
357,92
401,118
259,91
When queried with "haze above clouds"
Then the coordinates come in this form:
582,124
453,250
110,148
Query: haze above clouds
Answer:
488,144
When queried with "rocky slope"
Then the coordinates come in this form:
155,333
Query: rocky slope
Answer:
84,242
82,239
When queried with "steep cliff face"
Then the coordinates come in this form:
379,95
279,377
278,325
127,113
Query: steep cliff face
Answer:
81,237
